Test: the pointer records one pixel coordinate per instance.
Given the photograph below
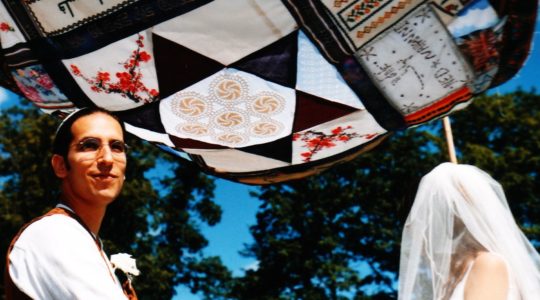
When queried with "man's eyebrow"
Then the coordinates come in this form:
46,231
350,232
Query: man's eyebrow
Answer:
97,138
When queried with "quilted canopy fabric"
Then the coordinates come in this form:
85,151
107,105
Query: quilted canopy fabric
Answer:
262,91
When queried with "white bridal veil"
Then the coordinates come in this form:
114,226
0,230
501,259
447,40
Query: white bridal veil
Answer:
459,209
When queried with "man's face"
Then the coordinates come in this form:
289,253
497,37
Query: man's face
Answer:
97,163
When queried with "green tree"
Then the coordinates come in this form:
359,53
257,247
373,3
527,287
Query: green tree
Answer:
159,227
331,236
501,134
337,235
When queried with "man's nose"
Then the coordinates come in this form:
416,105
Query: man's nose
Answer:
105,154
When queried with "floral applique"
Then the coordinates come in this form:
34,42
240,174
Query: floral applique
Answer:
5,27
128,83
316,141
37,85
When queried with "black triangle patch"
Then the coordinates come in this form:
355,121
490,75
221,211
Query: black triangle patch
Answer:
178,67
312,110
279,149
275,62
146,116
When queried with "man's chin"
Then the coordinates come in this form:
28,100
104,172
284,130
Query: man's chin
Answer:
106,196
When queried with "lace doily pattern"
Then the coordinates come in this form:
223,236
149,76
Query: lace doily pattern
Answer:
233,111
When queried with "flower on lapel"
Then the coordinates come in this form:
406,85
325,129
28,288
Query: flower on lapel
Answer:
125,263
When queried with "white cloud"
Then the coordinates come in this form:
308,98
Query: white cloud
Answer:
474,19
252,266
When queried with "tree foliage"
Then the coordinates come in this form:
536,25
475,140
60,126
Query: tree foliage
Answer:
157,221
337,235
501,134
331,236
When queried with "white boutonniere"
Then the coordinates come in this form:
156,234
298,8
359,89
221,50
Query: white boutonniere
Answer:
126,264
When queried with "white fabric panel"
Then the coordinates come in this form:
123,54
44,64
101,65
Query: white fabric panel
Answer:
335,137
149,135
9,33
316,76
112,59
228,30
54,15
227,160
416,62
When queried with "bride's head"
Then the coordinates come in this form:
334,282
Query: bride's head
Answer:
459,211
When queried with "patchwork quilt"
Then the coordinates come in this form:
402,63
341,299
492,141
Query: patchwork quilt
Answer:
262,91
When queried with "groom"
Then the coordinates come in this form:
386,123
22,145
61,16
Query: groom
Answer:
59,255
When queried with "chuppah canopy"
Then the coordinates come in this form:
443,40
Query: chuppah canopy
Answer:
262,91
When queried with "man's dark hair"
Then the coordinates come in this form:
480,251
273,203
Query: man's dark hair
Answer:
63,135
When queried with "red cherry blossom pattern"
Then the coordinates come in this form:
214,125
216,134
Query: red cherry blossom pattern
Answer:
316,141
6,27
127,83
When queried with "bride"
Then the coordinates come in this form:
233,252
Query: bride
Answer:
460,241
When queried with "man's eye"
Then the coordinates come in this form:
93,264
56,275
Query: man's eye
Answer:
118,146
89,145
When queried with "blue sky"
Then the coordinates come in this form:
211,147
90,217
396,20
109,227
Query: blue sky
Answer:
228,237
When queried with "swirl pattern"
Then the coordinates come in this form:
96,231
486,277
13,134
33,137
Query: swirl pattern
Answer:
231,139
229,119
193,129
189,106
267,104
228,89
265,129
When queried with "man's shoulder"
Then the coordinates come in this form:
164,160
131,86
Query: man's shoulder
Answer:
56,222
48,229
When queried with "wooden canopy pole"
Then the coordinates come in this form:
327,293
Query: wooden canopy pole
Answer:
449,139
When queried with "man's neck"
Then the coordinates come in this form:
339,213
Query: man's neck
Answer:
91,216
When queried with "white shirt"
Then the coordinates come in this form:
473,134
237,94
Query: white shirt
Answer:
57,258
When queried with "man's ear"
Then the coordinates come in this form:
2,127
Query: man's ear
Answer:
59,166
